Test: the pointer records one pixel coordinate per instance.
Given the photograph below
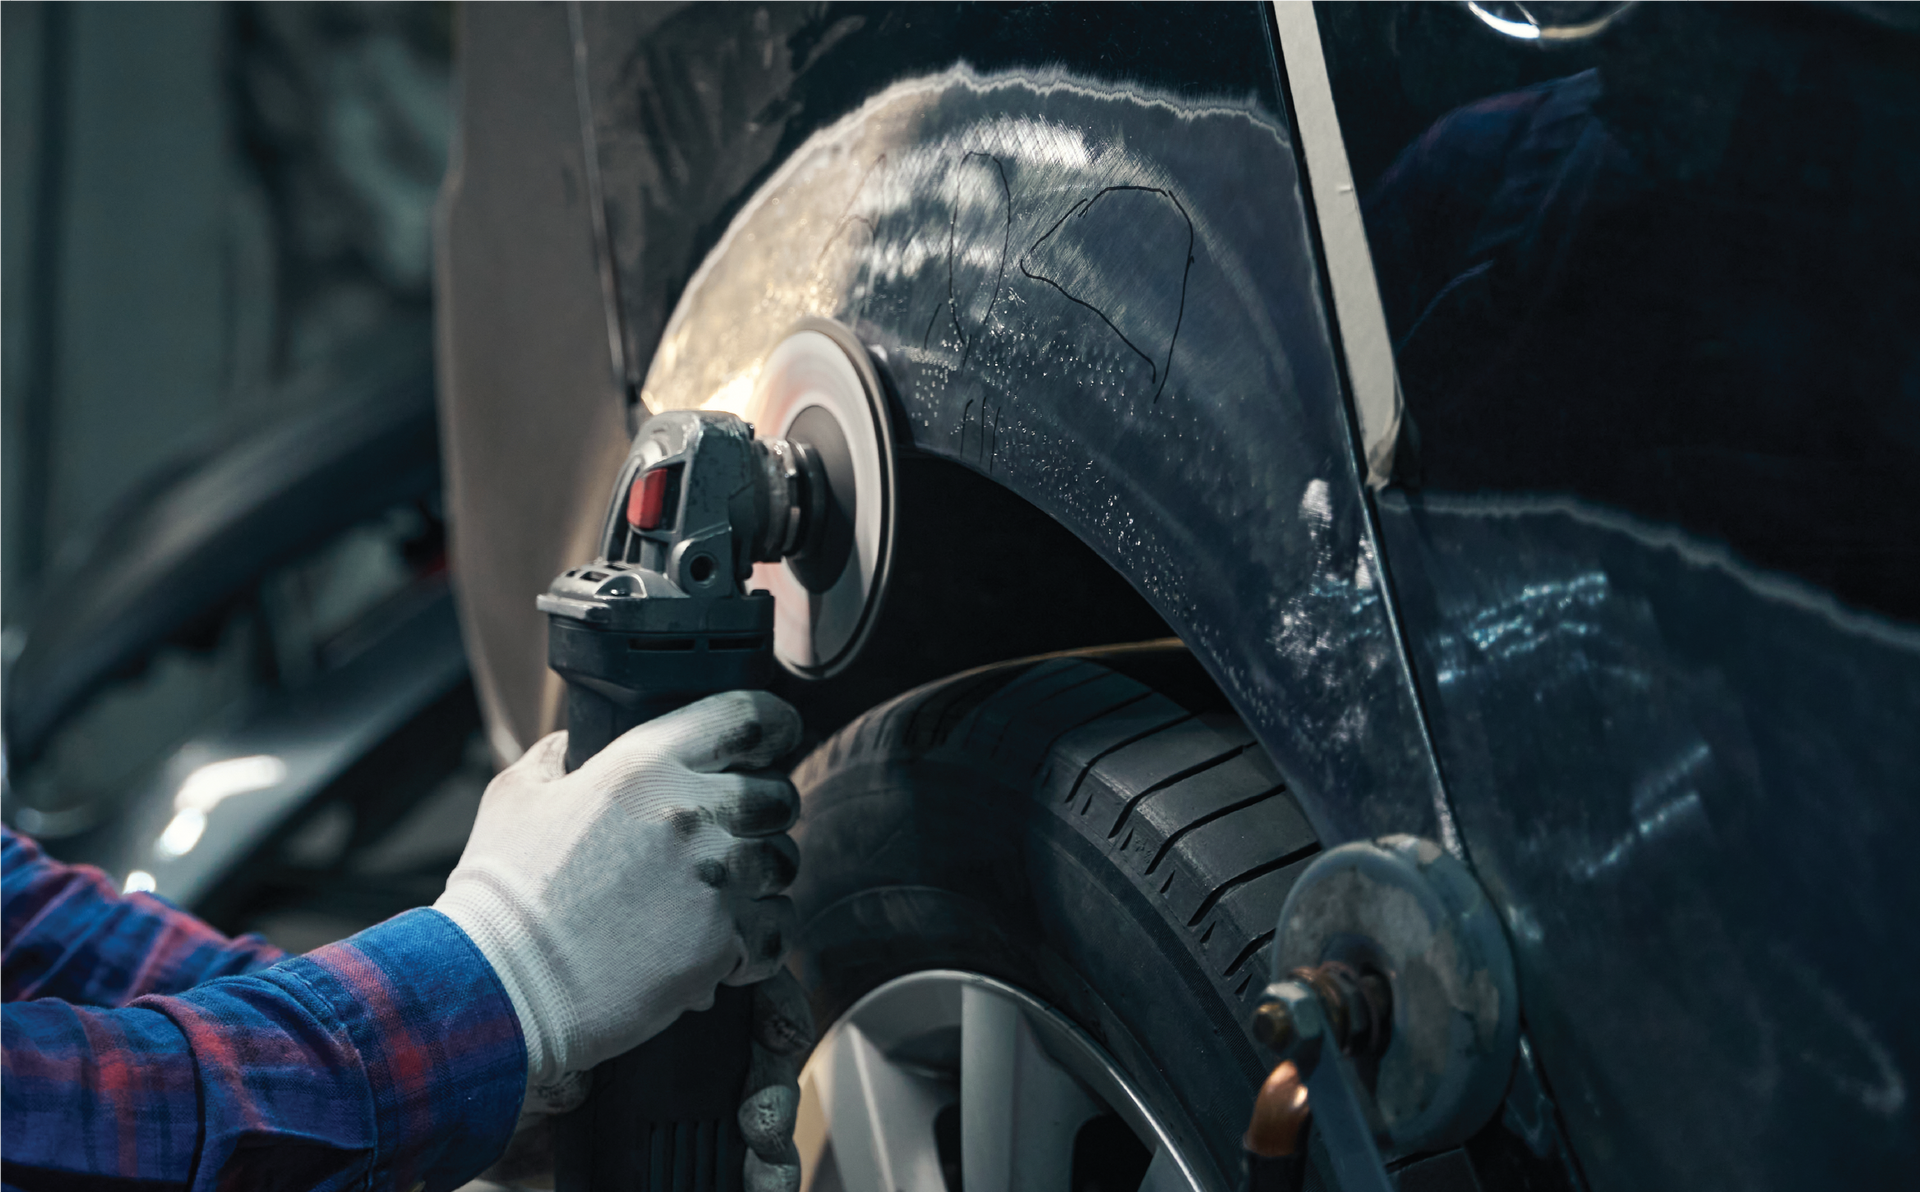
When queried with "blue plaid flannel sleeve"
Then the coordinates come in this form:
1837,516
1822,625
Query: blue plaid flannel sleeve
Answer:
392,1059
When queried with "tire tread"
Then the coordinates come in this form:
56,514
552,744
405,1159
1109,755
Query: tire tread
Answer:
1188,806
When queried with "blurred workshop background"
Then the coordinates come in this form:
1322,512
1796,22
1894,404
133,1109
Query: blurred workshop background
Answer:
232,670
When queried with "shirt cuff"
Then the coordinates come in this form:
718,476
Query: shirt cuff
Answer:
438,1039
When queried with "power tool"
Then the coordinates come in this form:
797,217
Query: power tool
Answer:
667,613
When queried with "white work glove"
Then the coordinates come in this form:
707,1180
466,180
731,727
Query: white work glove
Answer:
782,1036
611,900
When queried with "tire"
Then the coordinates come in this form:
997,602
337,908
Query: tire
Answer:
1097,829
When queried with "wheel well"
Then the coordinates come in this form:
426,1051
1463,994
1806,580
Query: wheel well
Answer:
979,576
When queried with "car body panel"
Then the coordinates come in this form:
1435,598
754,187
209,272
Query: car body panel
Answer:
1673,773
1106,299
1657,553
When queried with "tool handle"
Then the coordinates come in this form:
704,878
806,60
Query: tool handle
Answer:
664,1117
593,720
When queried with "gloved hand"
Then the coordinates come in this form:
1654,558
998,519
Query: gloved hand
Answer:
611,900
782,1035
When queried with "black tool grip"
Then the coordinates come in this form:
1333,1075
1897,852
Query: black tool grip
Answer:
664,1117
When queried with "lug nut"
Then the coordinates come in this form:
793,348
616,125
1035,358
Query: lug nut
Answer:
1272,1025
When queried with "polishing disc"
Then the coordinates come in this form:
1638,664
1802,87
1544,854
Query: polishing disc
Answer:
819,387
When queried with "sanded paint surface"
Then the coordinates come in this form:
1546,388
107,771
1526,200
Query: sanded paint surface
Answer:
1105,299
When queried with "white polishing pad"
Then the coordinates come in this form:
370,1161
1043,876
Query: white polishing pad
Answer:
819,627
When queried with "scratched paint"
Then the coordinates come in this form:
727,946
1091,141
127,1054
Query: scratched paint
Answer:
1101,298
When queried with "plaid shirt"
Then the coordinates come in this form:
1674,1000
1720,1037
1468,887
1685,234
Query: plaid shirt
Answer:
389,1060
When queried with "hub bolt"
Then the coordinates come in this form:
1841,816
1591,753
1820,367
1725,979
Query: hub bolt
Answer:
1272,1025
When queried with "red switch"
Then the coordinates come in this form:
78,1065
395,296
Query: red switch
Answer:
647,500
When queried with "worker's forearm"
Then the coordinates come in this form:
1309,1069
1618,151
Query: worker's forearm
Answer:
391,1058
69,934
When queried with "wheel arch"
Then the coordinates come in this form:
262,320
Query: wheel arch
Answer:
1141,351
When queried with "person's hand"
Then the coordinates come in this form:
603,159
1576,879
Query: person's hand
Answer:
782,1035
611,900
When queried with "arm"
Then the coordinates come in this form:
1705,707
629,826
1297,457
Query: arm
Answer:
66,933
388,1059
589,911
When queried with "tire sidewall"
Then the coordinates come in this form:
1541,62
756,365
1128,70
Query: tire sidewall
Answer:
940,860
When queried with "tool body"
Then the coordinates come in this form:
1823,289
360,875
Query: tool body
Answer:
659,620
664,616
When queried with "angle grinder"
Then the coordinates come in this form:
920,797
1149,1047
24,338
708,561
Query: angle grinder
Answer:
664,616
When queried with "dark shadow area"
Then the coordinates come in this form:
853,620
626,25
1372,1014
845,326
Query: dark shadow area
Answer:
979,576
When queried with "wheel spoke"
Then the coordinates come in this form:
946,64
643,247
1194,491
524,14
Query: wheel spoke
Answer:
1019,1111
878,1116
